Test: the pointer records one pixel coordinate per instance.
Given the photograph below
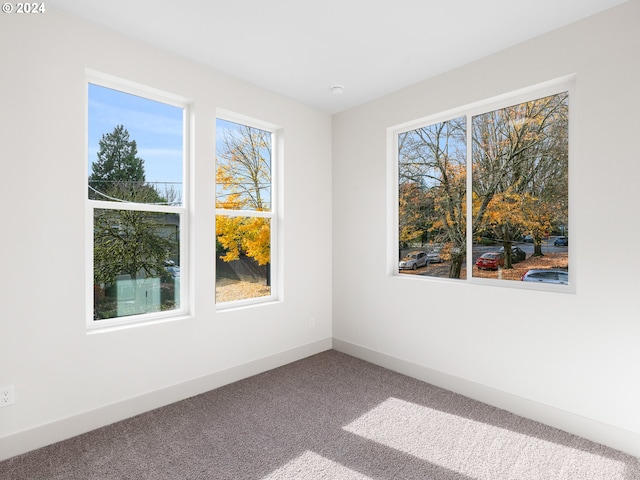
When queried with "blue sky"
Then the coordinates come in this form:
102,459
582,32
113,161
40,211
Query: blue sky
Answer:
156,127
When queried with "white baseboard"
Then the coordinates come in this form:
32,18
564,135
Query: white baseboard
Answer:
609,435
42,435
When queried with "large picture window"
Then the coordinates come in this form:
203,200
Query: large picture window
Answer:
136,204
245,212
507,216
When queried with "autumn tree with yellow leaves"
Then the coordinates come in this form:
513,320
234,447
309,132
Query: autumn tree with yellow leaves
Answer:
243,188
508,214
520,170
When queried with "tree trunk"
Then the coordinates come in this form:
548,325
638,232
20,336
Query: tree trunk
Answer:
508,260
456,266
537,249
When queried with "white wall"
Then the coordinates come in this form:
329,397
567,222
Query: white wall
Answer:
572,357
67,381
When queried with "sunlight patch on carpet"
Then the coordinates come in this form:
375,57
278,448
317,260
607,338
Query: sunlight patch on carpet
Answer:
311,466
477,449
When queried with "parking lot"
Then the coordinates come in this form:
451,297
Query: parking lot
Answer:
553,257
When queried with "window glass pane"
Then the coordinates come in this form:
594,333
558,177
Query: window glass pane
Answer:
136,262
432,199
243,258
135,148
520,188
243,167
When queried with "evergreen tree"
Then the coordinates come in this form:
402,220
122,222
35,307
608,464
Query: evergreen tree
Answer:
118,173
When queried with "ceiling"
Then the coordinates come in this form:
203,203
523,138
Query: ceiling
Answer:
301,48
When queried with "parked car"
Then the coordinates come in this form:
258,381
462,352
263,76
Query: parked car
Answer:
172,268
413,260
174,271
547,275
561,242
434,256
528,239
490,261
517,254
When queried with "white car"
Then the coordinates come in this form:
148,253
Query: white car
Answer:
549,275
413,260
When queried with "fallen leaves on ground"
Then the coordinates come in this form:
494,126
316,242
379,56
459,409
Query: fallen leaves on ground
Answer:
228,290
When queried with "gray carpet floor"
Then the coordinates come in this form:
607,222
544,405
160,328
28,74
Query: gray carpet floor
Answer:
329,416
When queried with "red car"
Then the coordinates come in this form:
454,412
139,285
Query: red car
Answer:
490,261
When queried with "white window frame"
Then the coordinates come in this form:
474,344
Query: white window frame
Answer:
274,215
552,87
183,211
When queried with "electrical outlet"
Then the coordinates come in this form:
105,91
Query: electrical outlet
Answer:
6,396
312,322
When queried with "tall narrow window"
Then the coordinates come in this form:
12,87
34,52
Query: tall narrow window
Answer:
505,218
136,204
244,212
